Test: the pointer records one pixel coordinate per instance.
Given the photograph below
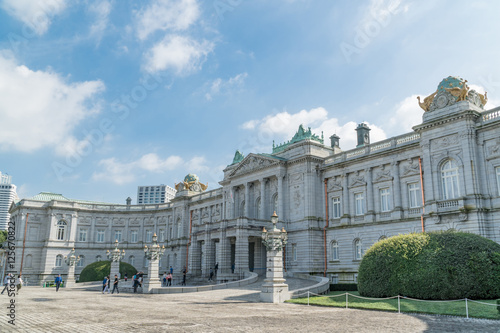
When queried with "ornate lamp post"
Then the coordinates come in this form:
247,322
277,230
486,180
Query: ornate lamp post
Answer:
115,256
274,289
153,254
71,261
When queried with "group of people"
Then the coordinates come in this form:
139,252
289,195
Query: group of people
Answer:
212,273
8,280
106,282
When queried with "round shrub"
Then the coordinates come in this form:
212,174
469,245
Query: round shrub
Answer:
435,265
96,271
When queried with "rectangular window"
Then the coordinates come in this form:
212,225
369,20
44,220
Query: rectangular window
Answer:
100,236
82,236
336,208
118,236
294,252
161,235
385,199
133,236
149,236
497,169
335,278
359,200
414,195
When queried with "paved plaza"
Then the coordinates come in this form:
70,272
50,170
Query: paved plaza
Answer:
230,310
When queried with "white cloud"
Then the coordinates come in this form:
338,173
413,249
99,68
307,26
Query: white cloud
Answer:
101,10
181,54
284,125
39,108
220,86
126,172
37,14
407,114
166,15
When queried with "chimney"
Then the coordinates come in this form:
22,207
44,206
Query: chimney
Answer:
129,201
334,141
363,135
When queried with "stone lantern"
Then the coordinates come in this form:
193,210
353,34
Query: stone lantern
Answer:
153,254
115,256
274,289
71,261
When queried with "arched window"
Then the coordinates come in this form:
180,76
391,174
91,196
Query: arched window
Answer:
358,249
335,250
98,258
257,209
59,259
449,178
29,261
131,260
61,230
81,263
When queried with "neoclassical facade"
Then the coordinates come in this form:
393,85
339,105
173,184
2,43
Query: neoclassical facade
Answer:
334,204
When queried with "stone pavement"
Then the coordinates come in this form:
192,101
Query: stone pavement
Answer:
228,310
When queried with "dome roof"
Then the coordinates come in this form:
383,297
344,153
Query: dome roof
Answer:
451,82
191,178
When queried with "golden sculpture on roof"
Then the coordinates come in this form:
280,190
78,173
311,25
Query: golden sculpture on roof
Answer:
427,101
459,92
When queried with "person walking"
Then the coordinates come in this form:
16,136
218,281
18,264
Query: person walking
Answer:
171,270
136,283
211,275
184,276
115,285
164,280
169,279
125,277
104,284
19,283
6,281
58,281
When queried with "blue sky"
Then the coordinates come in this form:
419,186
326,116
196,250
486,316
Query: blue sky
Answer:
98,97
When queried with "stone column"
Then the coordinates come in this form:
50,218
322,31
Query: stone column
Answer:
345,199
369,196
153,278
70,280
247,200
241,264
398,207
280,195
262,199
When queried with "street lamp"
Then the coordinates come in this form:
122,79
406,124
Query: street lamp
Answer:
115,255
154,252
275,239
71,260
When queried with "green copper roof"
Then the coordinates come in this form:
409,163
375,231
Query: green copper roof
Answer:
48,196
238,157
301,134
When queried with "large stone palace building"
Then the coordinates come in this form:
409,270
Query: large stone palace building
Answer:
334,204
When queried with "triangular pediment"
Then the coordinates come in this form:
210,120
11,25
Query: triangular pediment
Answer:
254,162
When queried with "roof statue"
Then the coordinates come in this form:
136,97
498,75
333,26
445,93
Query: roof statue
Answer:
452,90
238,157
301,134
191,183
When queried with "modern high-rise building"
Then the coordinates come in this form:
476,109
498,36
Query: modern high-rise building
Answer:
154,194
7,195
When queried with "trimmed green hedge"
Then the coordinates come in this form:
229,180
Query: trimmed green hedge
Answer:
343,287
436,265
96,271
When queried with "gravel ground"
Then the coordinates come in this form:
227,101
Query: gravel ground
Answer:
231,310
